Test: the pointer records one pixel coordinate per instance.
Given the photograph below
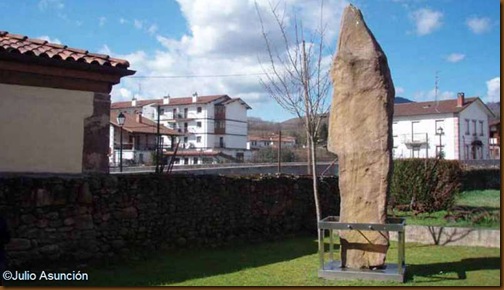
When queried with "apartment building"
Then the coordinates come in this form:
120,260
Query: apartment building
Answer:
212,126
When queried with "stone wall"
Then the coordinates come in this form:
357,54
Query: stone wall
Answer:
80,218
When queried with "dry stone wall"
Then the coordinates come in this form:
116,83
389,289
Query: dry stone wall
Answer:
58,219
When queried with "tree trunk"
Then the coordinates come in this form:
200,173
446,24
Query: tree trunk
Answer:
308,154
315,186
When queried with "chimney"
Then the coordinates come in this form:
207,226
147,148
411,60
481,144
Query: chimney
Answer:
139,117
166,100
133,102
460,99
195,97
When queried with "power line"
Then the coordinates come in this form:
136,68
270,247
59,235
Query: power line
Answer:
196,76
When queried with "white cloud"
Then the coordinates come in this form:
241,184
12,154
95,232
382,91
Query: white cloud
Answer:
426,20
152,29
478,25
122,20
455,57
425,96
50,4
493,89
102,20
138,24
224,39
399,90
48,39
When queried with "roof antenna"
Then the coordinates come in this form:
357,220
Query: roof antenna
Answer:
436,91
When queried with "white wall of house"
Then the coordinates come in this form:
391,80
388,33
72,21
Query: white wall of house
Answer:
459,131
42,128
474,126
423,130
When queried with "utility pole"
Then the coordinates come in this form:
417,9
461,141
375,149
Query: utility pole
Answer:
158,141
279,151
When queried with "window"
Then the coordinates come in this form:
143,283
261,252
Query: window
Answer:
199,109
185,139
198,139
186,160
467,126
474,127
195,160
161,111
481,128
198,124
254,143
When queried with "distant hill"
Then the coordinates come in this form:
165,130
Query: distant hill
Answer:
401,100
495,108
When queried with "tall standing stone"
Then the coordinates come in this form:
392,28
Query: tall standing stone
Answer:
360,133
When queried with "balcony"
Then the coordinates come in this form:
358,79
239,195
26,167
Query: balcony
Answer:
415,139
494,141
220,130
220,115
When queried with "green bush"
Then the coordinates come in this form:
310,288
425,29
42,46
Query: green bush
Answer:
424,185
481,179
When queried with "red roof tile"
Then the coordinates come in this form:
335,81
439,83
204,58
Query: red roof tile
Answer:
173,101
19,44
427,108
183,153
146,126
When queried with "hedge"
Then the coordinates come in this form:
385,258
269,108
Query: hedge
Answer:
487,178
424,185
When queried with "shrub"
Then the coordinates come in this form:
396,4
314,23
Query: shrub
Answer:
424,185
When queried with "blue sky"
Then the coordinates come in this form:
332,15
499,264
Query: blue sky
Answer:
206,39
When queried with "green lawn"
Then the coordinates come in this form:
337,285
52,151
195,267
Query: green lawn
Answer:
477,208
480,198
291,262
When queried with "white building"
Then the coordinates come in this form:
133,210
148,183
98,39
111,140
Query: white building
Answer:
463,124
258,142
210,124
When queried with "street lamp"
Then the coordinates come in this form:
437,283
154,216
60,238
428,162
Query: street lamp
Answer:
440,132
120,120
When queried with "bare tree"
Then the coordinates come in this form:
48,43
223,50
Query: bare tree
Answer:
298,80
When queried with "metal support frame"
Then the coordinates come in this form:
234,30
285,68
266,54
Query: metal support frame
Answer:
333,270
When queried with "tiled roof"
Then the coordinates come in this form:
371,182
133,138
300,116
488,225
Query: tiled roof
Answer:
428,108
19,44
146,126
190,153
494,122
173,102
238,100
